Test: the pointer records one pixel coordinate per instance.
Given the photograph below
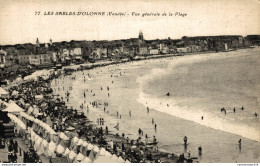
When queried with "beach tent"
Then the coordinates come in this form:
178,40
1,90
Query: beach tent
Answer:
96,149
72,156
120,160
114,157
80,142
67,152
3,93
74,142
108,154
90,146
91,155
102,152
79,157
85,144
13,108
86,160
50,150
60,149
43,146
127,161
83,149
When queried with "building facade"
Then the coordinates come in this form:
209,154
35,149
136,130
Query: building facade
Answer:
3,55
40,59
23,59
143,51
154,51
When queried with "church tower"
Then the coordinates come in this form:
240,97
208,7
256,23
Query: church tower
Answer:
37,43
50,42
141,37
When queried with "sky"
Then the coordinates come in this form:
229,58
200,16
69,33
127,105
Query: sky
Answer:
19,22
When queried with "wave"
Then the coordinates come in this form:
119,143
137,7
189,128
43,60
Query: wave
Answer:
194,115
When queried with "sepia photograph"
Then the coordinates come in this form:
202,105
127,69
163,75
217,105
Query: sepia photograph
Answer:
127,81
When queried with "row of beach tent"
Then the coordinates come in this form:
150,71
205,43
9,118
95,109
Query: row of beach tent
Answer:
11,107
59,144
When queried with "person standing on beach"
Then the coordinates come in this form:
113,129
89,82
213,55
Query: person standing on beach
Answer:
239,144
106,130
147,109
234,110
146,139
185,139
155,127
200,150
139,131
130,113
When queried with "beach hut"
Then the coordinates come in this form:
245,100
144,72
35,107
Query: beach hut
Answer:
13,108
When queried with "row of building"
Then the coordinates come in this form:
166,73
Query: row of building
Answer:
51,53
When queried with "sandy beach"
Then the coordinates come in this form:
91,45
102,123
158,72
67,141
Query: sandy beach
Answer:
129,88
